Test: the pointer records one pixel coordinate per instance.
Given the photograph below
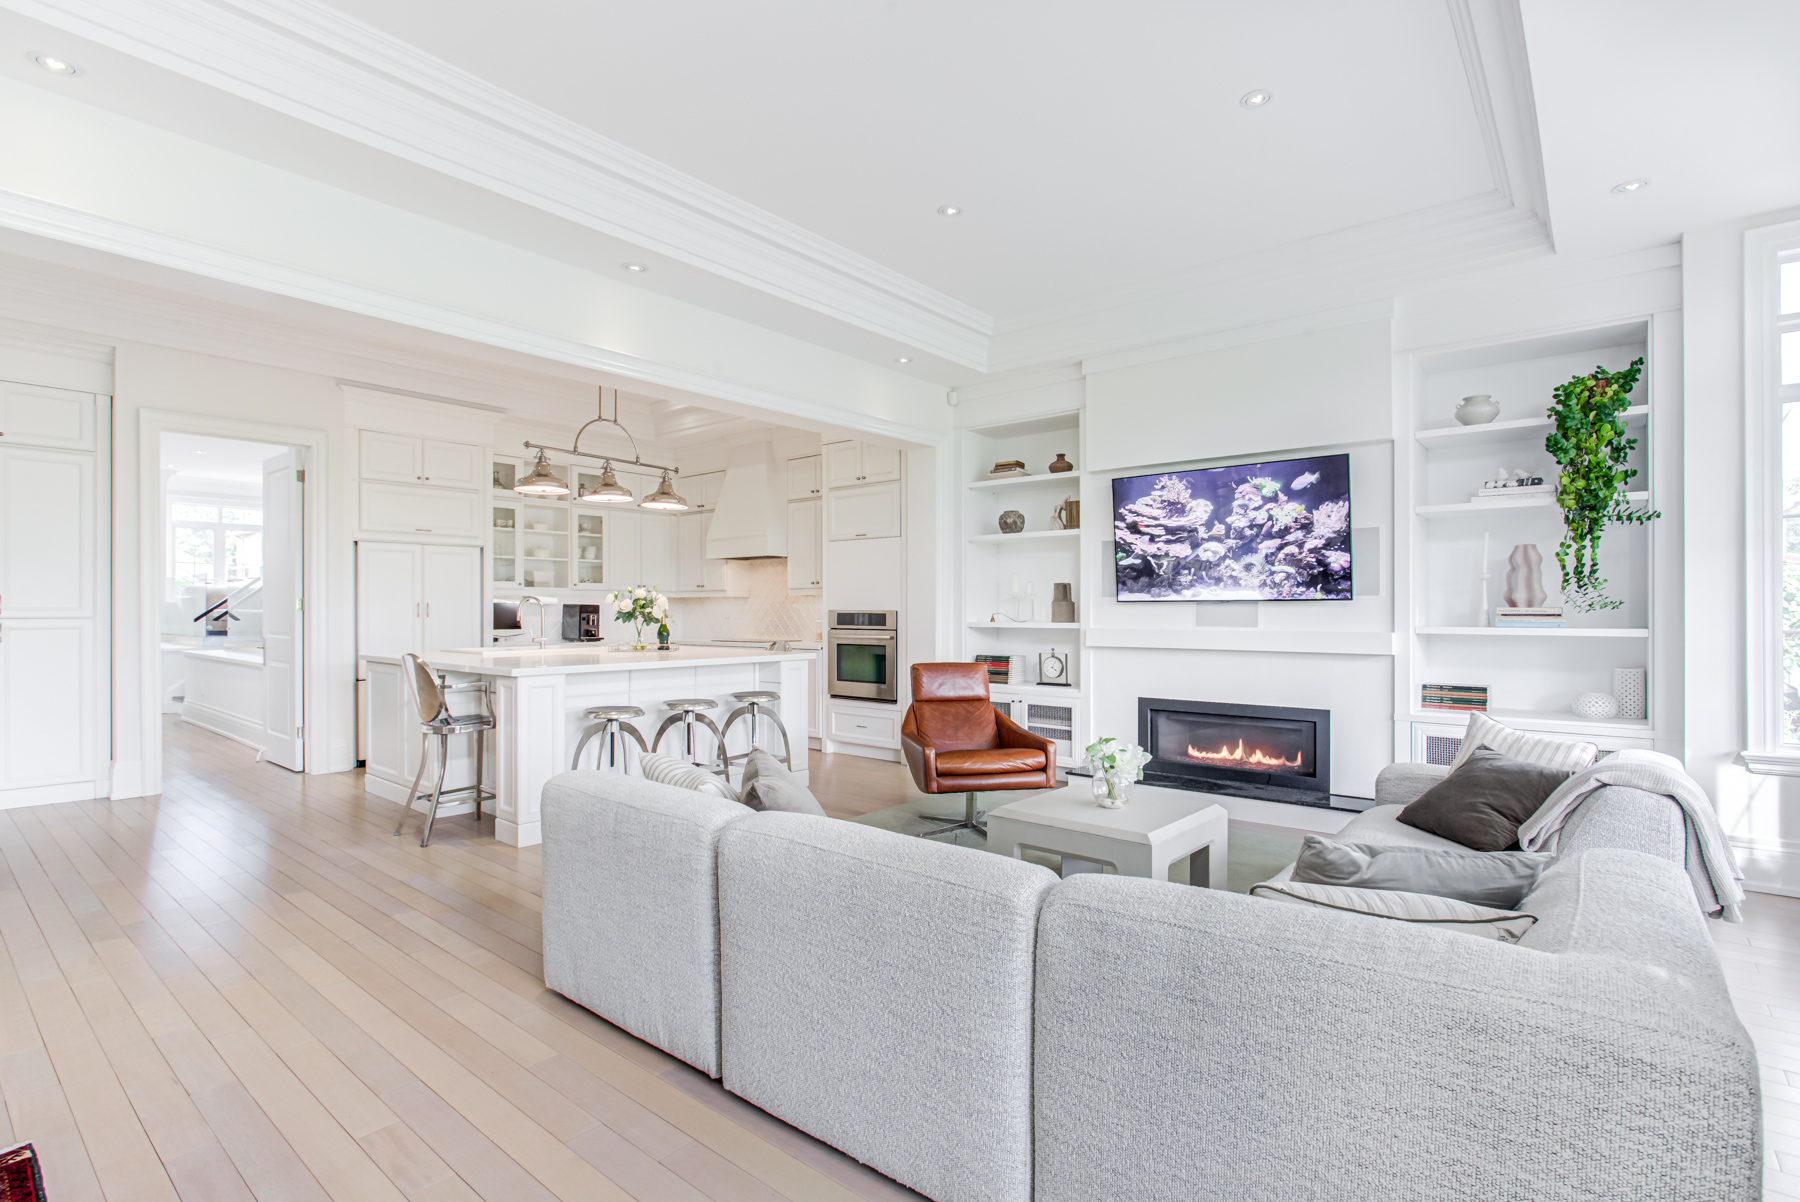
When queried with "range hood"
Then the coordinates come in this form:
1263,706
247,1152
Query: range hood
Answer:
751,519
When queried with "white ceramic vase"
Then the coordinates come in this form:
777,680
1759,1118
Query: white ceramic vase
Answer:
1477,410
1596,706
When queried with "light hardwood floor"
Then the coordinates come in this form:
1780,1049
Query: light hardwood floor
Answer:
248,988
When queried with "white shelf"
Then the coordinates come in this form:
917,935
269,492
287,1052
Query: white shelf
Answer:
1037,692
1560,720
1229,638
1007,624
1554,632
1010,482
1024,536
1470,436
1506,504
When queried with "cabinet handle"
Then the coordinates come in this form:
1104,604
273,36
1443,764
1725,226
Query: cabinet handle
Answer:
416,612
862,536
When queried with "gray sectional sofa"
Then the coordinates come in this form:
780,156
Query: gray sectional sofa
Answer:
979,1030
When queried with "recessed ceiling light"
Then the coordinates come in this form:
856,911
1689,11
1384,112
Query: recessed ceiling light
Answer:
948,210
1632,185
1256,99
902,359
634,267
50,62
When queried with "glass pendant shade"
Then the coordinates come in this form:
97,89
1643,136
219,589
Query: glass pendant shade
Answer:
542,482
664,497
609,490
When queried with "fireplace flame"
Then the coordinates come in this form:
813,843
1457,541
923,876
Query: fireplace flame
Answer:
1255,758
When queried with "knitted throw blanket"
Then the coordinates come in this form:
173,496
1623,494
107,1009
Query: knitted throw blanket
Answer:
1717,881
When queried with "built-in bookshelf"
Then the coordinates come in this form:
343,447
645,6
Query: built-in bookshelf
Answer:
1008,579
1532,675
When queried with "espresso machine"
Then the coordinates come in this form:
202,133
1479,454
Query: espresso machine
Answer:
581,623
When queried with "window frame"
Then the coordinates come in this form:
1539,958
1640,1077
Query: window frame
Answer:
1765,250
221,529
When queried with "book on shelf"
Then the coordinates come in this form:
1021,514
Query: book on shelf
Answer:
1522,617
1453,696
1517,490
999,668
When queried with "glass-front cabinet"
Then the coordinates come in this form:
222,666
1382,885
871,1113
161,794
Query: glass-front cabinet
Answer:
505,557
590,549
543,539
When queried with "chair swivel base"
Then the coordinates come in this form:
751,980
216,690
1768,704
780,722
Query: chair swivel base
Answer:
970,821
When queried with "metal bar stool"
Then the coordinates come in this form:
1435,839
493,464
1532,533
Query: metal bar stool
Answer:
610,723
753,708
427,689
688,712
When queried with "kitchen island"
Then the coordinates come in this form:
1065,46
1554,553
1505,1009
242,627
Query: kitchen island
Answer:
539,695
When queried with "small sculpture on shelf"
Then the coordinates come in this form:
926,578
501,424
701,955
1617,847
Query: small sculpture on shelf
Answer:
1011,522
1477,410
1596,706
1067,515
1525,577
1062,603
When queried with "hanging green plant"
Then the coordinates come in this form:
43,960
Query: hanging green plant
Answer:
1590,445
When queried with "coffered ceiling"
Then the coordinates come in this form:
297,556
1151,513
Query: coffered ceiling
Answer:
786,162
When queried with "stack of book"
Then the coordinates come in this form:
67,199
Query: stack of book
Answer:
1008,467
1519,617
999,668
1453,696
1517,490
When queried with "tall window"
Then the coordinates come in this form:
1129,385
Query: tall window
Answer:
1787,346
214,543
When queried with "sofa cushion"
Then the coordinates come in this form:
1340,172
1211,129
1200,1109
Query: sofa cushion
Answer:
992,761
1491,878
769,786
1482,803
1571,755
1421,909
668,770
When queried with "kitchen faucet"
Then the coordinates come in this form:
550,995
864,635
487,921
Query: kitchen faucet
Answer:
540,640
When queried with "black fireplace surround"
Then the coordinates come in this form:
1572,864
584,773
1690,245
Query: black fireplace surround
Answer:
1272,752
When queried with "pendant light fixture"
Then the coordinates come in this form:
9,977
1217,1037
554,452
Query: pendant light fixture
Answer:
541,482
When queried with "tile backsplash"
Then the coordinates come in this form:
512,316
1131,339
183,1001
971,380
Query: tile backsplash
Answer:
765,611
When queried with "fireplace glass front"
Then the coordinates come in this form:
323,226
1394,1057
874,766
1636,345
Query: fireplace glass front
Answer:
1277,752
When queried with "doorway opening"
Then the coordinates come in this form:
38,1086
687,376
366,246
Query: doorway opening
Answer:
229,623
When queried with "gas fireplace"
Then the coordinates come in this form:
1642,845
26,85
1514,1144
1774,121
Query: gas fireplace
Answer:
1269,751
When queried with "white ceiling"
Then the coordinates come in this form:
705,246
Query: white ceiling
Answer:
782,162
1089,146
198,461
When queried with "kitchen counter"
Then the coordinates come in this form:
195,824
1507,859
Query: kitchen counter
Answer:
540,695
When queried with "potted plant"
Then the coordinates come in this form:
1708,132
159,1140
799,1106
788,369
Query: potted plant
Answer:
1590,446
641,606
1116,766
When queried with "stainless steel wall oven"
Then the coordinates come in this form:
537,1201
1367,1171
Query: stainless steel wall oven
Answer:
863,654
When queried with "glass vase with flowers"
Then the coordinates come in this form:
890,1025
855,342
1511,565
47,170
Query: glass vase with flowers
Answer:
641,606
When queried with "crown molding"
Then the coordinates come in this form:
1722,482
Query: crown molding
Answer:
32,216
321,66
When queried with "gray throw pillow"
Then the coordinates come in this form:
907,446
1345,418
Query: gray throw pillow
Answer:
768,786
1482,804
1500,879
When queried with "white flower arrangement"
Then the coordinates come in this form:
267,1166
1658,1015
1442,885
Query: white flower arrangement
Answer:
640,606
1124,759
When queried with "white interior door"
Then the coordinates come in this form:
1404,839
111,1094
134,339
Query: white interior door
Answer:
452,599
281,591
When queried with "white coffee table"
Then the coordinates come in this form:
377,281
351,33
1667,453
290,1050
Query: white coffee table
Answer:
1144,838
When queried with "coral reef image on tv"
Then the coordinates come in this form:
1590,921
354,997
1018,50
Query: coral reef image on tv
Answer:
1252,532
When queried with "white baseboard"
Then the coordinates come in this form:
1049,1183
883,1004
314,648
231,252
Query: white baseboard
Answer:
1769,867
835,747
127,779
233,727
515,835
43,795
387,790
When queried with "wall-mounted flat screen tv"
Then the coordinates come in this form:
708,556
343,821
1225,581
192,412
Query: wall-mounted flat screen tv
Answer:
1277,531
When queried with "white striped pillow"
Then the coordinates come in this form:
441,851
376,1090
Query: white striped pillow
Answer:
1565,755
1506,926
667,770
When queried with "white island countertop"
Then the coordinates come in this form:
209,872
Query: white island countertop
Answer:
574,659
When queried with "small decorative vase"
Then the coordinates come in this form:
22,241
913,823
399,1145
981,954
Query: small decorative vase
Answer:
1525,576
1628,687
1477,410
1596,705
1061,463
1062,603
1011,522
1112,789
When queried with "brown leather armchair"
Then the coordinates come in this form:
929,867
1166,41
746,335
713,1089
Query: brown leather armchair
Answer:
957,742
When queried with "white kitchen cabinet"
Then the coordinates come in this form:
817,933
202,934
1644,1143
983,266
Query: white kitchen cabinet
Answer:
624,549
430,462
411,509
416,597
872,511
32,415
805,553
702,491
54,678
805,477
848,464
695,574
657,564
